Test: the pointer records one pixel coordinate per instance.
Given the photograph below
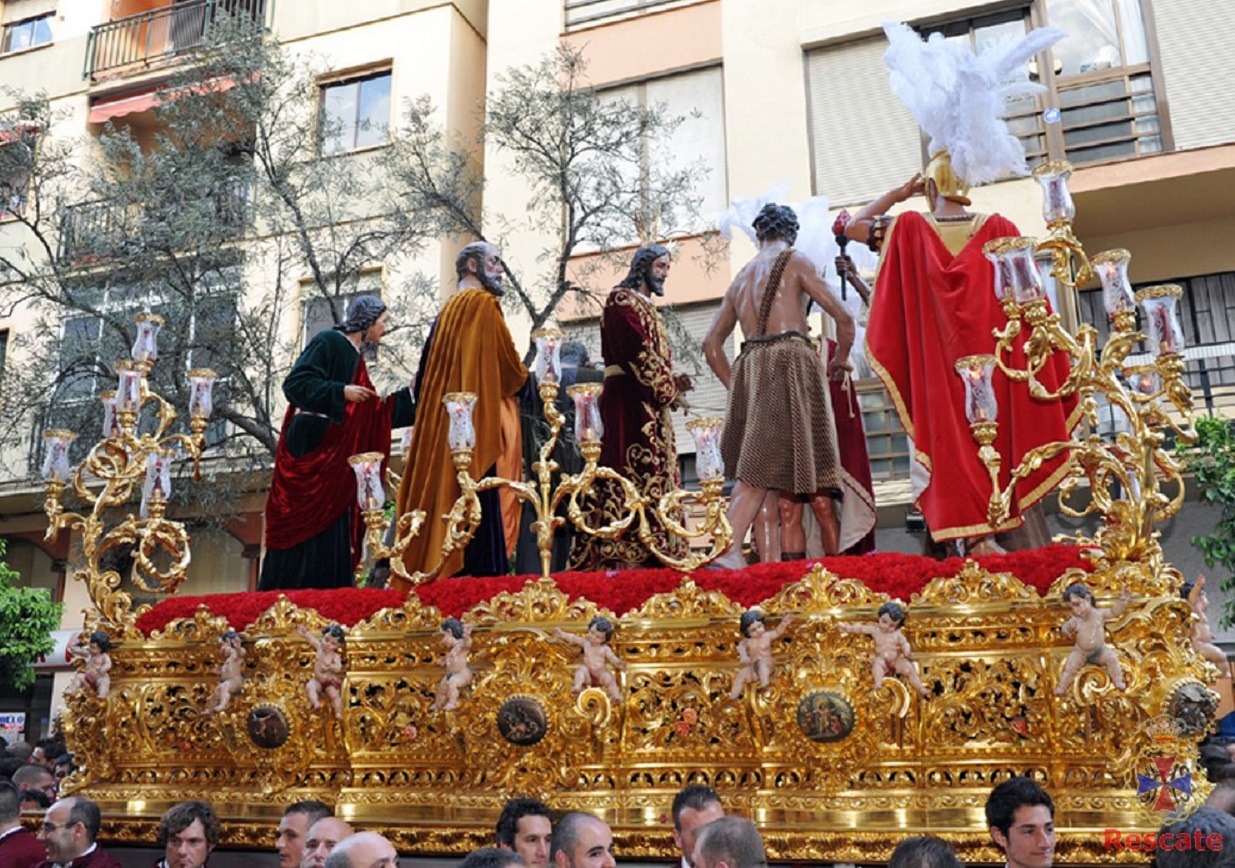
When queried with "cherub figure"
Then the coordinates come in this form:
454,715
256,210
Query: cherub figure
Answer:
892,651
231,676
596,656
755,650
457,637
327,668
98,665
1088,623
1202,633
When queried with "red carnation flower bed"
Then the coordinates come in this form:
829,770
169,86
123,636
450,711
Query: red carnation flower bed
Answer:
899,576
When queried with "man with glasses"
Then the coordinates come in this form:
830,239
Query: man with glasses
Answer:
70,827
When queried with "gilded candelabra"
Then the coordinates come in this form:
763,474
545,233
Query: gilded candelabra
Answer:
1137,462
121,460
545,497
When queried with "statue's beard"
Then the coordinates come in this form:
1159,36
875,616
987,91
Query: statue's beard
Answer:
656,287
491,281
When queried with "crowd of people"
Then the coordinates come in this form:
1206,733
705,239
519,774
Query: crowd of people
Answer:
1020,820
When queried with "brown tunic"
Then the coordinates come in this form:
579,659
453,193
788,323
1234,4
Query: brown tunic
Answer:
779,432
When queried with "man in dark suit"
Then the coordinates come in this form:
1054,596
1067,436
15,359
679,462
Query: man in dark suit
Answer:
693,808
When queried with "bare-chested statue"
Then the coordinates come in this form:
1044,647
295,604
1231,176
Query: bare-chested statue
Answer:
779,432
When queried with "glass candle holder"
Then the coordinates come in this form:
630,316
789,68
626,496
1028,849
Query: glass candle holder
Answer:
975,372
1160,304
56,467
1111,266
1045,261
1026,281
588,427
158,487
146,347
709,465
459,409
368,469
201,392
548,355
405,442
995,252
1057,204
129,387
111,425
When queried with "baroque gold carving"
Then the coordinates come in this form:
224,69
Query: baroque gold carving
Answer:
989,650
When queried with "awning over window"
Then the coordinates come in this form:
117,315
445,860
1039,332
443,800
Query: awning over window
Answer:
106,108
117,105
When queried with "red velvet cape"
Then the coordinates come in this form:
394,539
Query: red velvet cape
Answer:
930,309
309,493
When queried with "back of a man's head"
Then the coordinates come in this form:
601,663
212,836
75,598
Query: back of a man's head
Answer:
925,851
732,840
1007,798
492,857
365,846
10,803
1215,828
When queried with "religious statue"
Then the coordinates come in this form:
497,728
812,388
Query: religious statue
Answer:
457,637
98,664
934,303
469,349
597,657
641,391
892,651
779,432
1202,633
327,668
1088,623
333,412
231,676
755,650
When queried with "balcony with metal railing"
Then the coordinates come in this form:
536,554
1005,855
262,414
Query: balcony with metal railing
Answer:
162,36
95,232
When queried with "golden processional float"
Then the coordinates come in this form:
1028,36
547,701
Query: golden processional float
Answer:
830,768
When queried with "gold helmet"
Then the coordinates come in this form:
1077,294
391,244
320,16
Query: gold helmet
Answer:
949,185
